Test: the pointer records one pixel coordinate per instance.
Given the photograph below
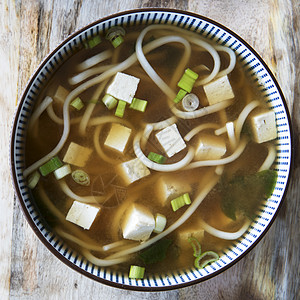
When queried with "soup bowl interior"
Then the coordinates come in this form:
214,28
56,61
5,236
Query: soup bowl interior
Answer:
257,71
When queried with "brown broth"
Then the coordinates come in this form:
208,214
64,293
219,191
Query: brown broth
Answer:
49,134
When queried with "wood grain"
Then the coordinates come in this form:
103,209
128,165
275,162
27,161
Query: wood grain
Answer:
8,78
28,31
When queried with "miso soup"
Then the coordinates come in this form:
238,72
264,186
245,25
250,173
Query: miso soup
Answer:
150,148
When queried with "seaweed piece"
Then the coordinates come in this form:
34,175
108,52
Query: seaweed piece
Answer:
244,193
156,252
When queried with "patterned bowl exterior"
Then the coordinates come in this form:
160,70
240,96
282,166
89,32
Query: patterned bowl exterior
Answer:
260,74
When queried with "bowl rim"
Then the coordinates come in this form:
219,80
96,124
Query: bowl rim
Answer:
14,129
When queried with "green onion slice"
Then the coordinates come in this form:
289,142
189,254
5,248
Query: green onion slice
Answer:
187,80
136,272
138,104
186,198
160,223
115,35
33,179
201,263
109,101
180,95
62,171
180,201
92,42
81,177
120,109
50,166
160,159
191,74
77,103
117,41
195,245
190,102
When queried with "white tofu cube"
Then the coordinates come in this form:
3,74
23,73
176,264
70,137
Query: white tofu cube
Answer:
170,140
168,188
118,137
82,214
77,155
263,126
132,170
210,147
123,87
61,94
138,223
218,90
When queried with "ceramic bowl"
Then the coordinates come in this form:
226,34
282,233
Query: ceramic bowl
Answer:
252,64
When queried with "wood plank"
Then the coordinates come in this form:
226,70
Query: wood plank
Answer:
30,29
9,62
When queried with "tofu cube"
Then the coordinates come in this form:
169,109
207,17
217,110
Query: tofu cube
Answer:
218,90
61,94
77,155
170,140
123,87
168,188
118,137
138,223
263,126
82,214
132,170
210,147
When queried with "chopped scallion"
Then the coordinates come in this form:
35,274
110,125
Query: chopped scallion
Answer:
186,83
50,166
213,256
191,74
180,201
199,262
62,171
157,158
109,101
160,223
186,198
92,42
190,102
115,35
33,179
117,41
120,109
81,177
187,80
180,95
136,272
77,103
138,104
195,245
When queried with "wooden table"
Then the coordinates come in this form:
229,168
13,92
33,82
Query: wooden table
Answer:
29,30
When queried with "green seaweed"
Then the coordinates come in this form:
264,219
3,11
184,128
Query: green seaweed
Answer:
156,253
243,193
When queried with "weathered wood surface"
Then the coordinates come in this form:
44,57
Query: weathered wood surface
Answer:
28,31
